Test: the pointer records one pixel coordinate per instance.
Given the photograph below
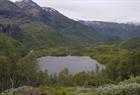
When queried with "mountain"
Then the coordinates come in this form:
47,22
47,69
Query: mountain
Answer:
47,15
69,28
41,27
46,27
30,7
117,31
10,10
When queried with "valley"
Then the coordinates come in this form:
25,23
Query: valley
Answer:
43,52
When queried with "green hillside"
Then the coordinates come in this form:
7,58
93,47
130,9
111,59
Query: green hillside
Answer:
133,43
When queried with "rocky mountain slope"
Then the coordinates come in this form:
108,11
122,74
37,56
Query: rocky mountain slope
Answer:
117,31
45,27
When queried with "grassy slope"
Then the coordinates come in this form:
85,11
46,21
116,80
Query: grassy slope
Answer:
133,43
42,36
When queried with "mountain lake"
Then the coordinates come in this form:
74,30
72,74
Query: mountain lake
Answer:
75,64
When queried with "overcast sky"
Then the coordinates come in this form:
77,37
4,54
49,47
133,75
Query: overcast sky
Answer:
100,10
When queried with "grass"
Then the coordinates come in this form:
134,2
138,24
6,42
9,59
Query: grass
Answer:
68,91
59,91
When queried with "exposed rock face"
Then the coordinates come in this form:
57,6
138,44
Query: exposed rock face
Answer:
12,30
29,6
9,28
47,15
10,10
47,9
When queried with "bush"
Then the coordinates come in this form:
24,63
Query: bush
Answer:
121,89
132,80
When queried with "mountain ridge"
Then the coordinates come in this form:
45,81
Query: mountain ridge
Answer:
118,31
47,26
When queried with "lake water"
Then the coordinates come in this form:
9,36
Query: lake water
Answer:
75,64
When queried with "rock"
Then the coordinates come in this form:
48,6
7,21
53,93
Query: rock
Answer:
23,89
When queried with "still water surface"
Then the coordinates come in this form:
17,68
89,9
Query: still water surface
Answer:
74,64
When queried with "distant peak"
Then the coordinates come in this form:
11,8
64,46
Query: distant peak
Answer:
26,3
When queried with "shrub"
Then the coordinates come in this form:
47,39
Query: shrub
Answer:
121,89
132,80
